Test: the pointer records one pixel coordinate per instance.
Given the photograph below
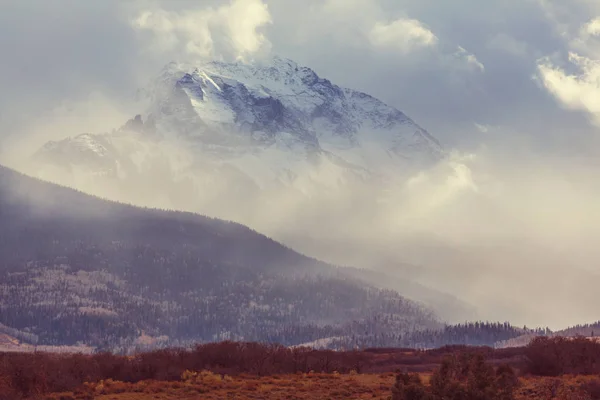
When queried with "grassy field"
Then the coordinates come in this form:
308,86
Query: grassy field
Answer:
313,386
214,387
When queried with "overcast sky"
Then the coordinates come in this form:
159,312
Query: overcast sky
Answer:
470,72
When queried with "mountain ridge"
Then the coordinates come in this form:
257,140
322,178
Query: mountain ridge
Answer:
274,123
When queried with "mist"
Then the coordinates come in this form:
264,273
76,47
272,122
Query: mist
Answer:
506,223
509,232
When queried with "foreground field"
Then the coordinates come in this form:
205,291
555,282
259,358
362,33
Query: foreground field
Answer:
209,386
278,387
552,369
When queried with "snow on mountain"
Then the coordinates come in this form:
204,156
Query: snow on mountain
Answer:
274,123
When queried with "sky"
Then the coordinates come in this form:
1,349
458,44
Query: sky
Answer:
511,88
469,73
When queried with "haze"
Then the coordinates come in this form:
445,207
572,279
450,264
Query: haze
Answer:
508,222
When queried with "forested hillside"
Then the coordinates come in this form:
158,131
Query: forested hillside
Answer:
75,268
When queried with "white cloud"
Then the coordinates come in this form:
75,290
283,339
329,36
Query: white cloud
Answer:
432,190
592,28
243,19
97,113
578,92
402,34
372,27
231,31
469,59
170,30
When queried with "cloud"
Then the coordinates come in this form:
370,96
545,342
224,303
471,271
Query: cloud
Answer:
231,31
469,59
592,28
576,85
402,34
482,128
410,35
115,47
55,60
575,91
506,39
97,113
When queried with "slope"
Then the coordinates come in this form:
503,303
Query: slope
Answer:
79,269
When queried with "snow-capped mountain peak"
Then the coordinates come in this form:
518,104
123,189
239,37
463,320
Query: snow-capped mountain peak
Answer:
274,121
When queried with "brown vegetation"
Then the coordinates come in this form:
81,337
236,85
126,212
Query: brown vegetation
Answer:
210,386
250,370
560,355
463,377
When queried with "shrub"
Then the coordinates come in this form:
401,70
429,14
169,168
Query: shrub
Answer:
409,387
592,389
559,355
460,377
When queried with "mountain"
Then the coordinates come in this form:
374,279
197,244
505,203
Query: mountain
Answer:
76,269
255,125
271,145
589,331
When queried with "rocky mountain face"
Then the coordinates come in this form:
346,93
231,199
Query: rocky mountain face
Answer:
261,126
